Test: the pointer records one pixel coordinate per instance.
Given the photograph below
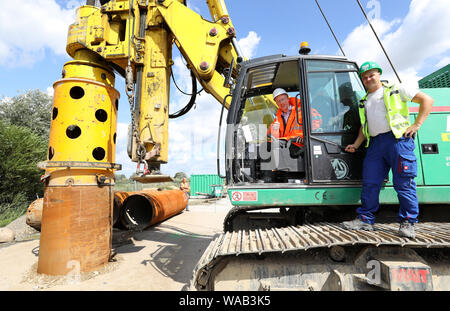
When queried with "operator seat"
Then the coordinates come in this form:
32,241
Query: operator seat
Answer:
277,157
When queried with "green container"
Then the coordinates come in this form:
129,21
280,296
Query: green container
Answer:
202,184
437,79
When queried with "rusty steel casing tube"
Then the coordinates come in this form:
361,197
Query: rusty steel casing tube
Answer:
76,229
148,207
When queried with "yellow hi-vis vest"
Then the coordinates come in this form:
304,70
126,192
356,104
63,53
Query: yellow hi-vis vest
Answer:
397,112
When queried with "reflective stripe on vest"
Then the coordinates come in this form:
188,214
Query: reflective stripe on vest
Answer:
397,112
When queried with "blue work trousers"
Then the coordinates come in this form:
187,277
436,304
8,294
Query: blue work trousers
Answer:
386,152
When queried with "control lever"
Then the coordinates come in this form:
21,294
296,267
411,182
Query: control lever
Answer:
334,144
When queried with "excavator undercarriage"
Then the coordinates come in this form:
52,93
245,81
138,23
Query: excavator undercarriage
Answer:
324,256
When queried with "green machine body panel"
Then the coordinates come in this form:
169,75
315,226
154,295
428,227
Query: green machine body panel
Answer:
435,149
310,196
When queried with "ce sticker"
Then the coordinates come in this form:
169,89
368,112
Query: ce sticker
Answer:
320,196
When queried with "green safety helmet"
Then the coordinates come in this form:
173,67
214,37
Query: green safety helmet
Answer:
368,66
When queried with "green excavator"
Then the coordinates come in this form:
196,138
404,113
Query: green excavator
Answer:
284,231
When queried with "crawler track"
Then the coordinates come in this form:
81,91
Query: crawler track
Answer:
304,237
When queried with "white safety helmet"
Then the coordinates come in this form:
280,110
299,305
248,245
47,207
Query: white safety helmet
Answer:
279,91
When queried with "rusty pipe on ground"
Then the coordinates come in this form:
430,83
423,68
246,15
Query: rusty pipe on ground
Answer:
34,214
119,198
148,207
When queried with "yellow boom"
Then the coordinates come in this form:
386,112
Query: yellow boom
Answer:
140,35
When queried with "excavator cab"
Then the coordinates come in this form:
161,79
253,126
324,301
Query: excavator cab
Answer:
327,92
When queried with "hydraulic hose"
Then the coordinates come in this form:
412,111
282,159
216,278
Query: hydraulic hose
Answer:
191,102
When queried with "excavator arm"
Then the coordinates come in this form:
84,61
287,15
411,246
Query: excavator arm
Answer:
136,38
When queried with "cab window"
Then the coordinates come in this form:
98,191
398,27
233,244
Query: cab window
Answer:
334,95
259,113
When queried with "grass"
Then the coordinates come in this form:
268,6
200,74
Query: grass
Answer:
129,185
8,213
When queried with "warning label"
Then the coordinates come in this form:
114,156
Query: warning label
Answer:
244,196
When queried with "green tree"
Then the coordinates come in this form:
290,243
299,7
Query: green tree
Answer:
180,175
31,109
20,150
121,178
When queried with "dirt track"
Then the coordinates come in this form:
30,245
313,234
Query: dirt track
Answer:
159,258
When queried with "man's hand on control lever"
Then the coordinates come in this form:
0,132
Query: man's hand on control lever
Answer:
351,148
299,140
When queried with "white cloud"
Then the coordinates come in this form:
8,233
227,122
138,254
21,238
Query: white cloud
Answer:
5,100
122,133
418,37
192,138
30,27
50,91
128,167
249,44
183,75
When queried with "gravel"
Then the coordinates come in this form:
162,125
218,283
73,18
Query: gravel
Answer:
22,230
42,281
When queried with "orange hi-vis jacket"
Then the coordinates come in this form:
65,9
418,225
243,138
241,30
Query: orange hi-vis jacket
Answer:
292,128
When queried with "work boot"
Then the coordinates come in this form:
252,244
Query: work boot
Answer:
407,229
357,224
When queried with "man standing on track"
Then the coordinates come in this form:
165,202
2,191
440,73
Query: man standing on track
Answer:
390,136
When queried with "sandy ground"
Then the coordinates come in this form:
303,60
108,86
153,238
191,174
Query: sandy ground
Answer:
162,257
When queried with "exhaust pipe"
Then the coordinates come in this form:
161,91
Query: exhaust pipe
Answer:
148,207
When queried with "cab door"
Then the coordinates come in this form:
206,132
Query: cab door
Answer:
333,90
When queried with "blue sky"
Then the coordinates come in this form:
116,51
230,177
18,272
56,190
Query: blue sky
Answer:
415,34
